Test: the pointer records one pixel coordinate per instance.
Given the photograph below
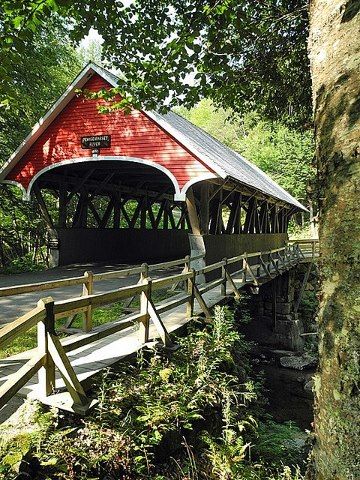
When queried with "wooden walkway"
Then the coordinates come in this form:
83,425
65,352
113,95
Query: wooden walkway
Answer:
90,359
81,356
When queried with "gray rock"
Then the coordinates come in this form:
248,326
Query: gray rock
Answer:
283,353
308,387
304,362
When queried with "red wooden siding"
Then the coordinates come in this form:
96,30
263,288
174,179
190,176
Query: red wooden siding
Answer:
133,135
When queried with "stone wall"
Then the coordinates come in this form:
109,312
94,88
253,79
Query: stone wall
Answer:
274,309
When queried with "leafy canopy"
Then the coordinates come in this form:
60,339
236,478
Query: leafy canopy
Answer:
241,54
37,79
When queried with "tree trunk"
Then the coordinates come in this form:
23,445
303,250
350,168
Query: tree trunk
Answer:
334,50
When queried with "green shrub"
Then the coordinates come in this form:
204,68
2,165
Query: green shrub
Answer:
278,443
187,415
23,264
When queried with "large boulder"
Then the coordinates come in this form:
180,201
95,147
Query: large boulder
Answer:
303,362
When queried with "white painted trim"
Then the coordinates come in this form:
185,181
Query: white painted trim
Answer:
179,197
105,158
17,184
103,74
190,183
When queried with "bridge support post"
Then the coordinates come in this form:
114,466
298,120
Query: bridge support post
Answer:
197,247
88,289
288,327
144,306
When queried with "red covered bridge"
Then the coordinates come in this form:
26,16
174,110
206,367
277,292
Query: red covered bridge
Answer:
131,187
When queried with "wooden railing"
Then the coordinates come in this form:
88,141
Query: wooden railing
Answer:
309,247
88,278
252,268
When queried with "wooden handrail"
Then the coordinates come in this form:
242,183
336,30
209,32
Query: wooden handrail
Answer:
118,273
72,304
72,281
160,283
20,378
82,303
21,325
41,286
81,280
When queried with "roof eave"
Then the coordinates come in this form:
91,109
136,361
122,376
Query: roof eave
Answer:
296,204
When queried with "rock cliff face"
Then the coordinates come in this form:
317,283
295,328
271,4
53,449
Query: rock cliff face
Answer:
284,330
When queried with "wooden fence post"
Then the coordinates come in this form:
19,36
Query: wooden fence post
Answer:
186,269
233,285
190,291
144,307
275,263
88,289
155,317
46,373
223,275
265,265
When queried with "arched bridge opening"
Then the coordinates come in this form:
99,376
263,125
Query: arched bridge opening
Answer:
111,211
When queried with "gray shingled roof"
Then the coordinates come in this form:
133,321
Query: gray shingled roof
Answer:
231,162
114,77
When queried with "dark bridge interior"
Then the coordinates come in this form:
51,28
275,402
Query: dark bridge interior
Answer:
107,177
113,211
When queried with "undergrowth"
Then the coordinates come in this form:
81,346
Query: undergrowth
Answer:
25,263
194,414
